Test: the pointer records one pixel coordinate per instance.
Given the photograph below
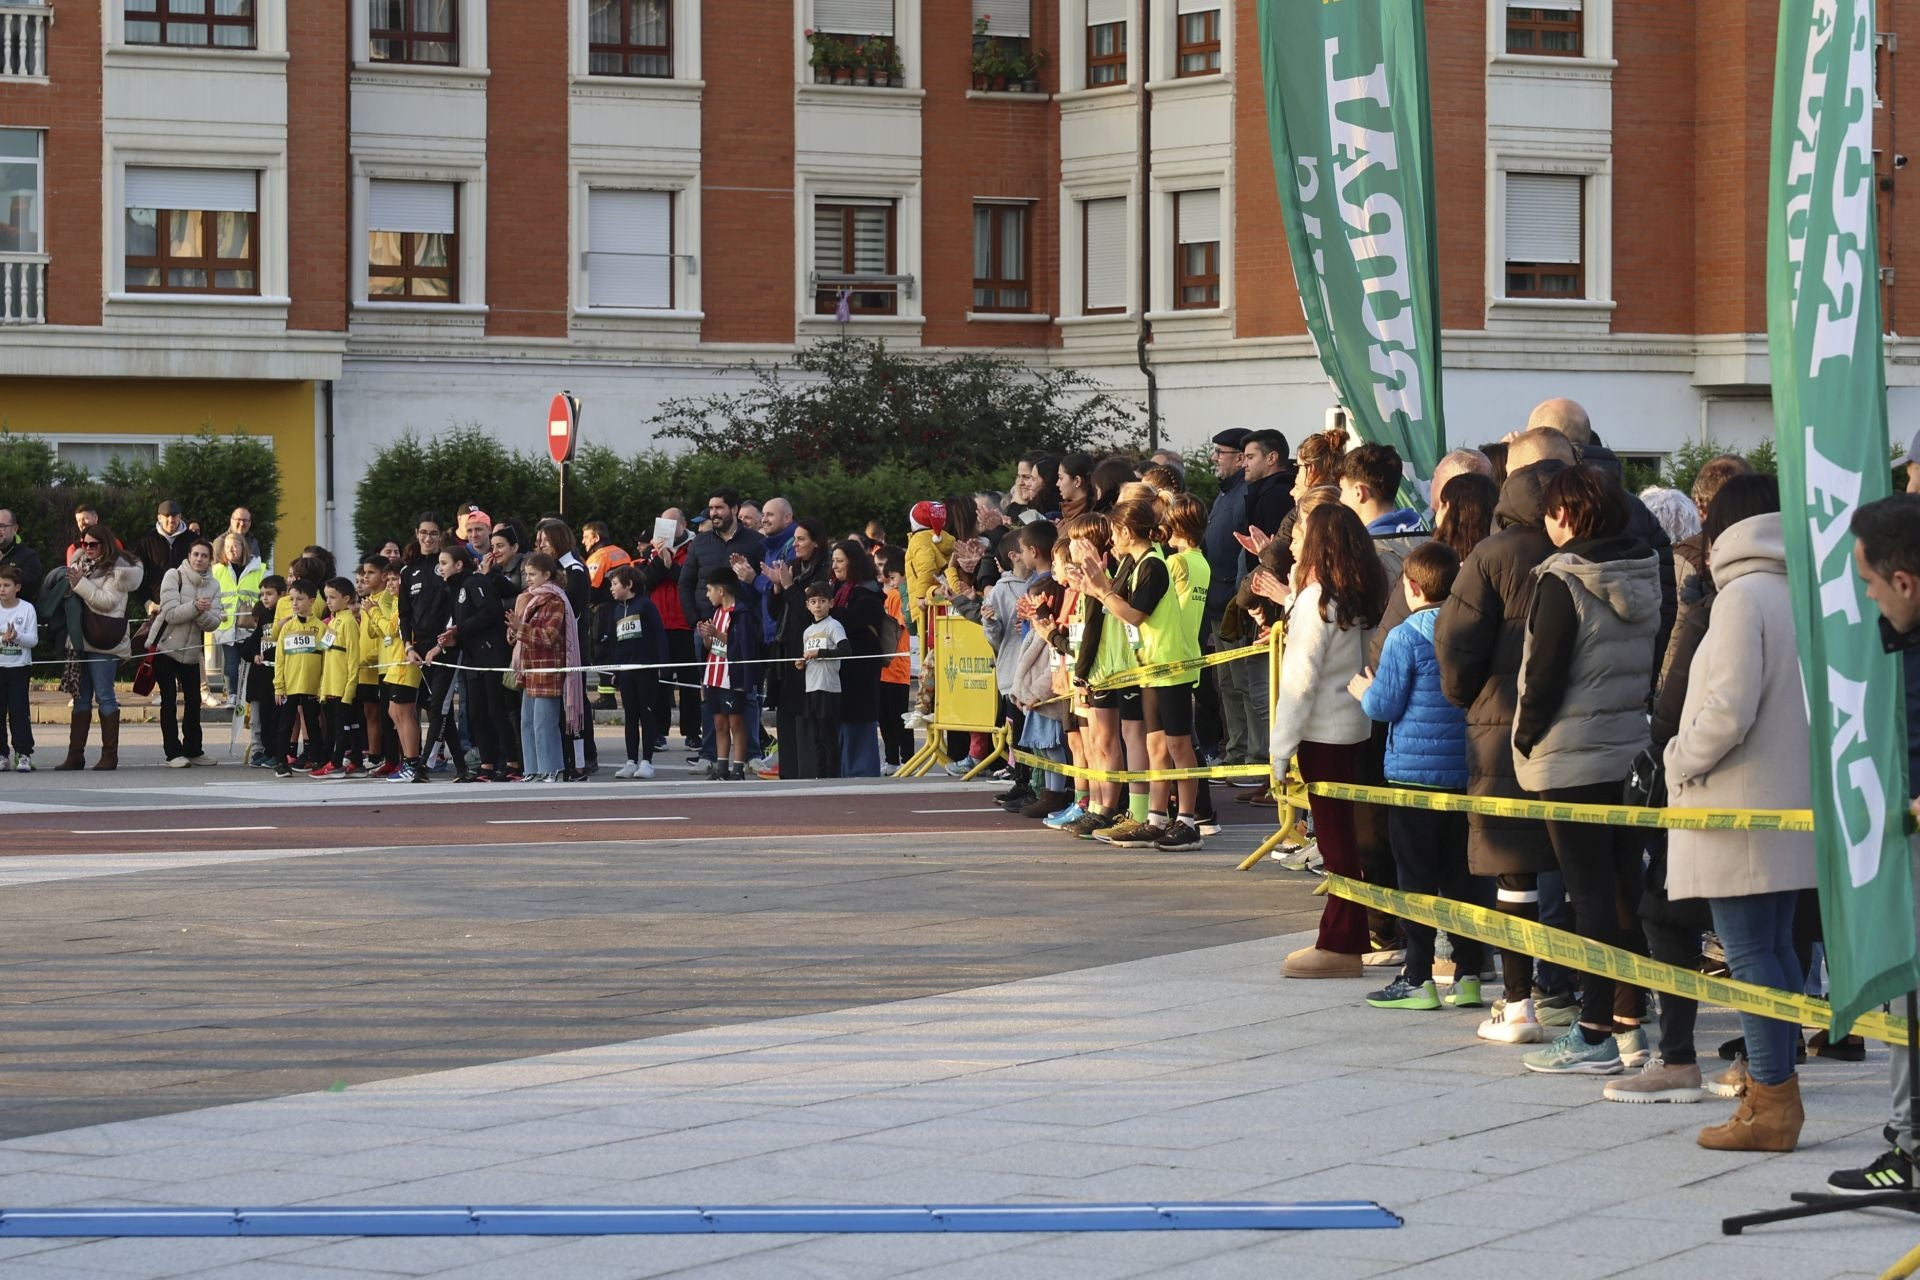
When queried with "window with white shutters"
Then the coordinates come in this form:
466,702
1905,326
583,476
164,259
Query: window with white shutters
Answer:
1004,17
412,240
1196,249
192,231
1551,30
630,249
1106,42
1103,256
854,17
1544,233
1197,38
853,255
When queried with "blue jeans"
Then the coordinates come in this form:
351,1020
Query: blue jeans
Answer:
860,749
540,735
96,684
1757,931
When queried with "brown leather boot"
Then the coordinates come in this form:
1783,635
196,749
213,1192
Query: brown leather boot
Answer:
77,732
109,741
1045,803
1768,1119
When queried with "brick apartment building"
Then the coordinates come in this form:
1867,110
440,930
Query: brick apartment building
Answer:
327,221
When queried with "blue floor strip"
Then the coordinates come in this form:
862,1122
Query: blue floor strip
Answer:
618,1220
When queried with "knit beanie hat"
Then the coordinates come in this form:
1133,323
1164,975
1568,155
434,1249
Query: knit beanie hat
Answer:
929,515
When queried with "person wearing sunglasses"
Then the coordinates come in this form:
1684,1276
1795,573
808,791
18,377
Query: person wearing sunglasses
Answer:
102,578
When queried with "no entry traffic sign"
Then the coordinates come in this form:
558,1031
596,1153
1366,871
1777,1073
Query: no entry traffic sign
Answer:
563,427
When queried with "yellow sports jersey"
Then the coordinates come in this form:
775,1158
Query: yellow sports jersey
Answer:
384,623
369,673
302,660
340,649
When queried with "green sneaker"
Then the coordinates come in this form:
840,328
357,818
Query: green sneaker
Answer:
1465,993
1087,823
1572,1055
1401,994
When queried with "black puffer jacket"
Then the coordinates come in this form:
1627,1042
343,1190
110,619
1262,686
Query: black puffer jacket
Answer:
1480,639
1641,524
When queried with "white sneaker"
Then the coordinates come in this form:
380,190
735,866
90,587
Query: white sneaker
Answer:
627,770
205,762
888,770
1304,857
1512,1024
644,769
6,764
178,762
23,764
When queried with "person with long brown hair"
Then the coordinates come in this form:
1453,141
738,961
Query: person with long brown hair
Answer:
1102,650
1463,512
1338,595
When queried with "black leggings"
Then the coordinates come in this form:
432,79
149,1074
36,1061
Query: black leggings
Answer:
638,690
487,708
436,688
1517,894
894,733
1601,866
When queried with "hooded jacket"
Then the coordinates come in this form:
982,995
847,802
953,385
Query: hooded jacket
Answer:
1743,739
180,628
1589,660
927,556
1006,634
1478,641
107,594
1426,734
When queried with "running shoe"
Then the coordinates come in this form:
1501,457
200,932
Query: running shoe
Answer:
644,769
1512,1023
1465,993
1572,1055
404,773
1087,823
386,770
962,767
1129,834
1182,837
627,770
1062,817
1893,1171
1633,1048
1560,1010
1401,994
23,764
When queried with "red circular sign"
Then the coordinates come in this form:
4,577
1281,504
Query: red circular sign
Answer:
563,425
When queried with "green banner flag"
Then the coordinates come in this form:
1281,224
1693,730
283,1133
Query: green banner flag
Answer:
1348,116
1830,420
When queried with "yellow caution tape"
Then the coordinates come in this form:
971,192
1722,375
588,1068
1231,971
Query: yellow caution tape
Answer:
1612,815
1512,933
1143,775
1133,677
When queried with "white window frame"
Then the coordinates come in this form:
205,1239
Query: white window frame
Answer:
272,224
39,162
1592,313
269,36
1073,250
470,32
683,185
685,20
1596,40
839,186
470,245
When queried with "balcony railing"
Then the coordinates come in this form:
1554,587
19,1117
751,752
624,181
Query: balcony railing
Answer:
23,288
23,40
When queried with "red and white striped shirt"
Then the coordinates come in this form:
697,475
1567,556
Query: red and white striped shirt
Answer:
718,670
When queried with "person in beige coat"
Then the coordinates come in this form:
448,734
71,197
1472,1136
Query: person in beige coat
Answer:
189,610
1742,744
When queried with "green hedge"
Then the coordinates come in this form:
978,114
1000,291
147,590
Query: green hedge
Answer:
209,476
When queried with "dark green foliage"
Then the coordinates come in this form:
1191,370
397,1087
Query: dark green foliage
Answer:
1685,463
209,476
855,403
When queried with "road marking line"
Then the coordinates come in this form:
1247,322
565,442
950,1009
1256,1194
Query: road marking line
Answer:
567,822
158,831
958,811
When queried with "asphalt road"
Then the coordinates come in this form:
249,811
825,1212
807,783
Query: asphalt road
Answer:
448,930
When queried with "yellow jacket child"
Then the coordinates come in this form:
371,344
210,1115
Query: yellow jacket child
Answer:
302,663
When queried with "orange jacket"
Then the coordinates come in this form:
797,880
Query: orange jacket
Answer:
900,670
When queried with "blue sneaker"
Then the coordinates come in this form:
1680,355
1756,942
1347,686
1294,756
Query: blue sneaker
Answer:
1633,1047
1065,816
1572,1055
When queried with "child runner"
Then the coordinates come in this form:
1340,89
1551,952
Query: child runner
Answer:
340,685
257,662
639,649
19,632
297,671
369,583
896,676
730,635
822,646
399,678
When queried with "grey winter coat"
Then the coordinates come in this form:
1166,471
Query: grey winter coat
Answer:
1589,721
1479,641
1743,740
180,628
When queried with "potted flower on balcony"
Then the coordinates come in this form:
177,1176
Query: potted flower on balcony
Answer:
986,52
884,63
820,56
1030,71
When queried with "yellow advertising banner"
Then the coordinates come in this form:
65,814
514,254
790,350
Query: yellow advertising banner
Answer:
965,695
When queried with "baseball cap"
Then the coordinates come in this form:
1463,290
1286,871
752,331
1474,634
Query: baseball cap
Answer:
1232,438
471,515
170,508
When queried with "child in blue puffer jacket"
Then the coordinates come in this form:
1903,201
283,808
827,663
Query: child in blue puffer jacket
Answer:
1426,747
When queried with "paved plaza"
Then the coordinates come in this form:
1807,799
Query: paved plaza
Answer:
968,1014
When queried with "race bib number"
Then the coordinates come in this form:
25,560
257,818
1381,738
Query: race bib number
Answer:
1133,635
1075,631
298,644
629,629
717,648
9,651
327,642
818,644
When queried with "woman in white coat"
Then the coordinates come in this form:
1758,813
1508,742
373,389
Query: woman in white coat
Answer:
189,612
1743,744
1336,598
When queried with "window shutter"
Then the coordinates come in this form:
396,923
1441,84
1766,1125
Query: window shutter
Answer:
1010,17
1106,222
1199,215
854,17
1543,217
425,207
1101,12
829,240
1567,6
209,190
1197,6
870,247
629,240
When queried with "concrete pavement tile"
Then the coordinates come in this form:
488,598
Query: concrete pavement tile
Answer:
942,1182
1482,1263
967,1133
1064,1158
414,1160
638,1257
501,1184
1112,1264
1491,1152
1396,1187
1153,1250
905,1253
164,1258
1152,1182
879,1112
1265,1262
543,1137
329,1137
48,1190
422,1255
271,1269
258,1187
850,1159
776,1265
169,1163
677,1113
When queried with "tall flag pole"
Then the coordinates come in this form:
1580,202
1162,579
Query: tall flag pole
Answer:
1830,421
1349,119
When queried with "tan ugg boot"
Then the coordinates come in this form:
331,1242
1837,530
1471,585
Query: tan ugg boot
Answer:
1312,962
109,741
1768,1119
77,731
